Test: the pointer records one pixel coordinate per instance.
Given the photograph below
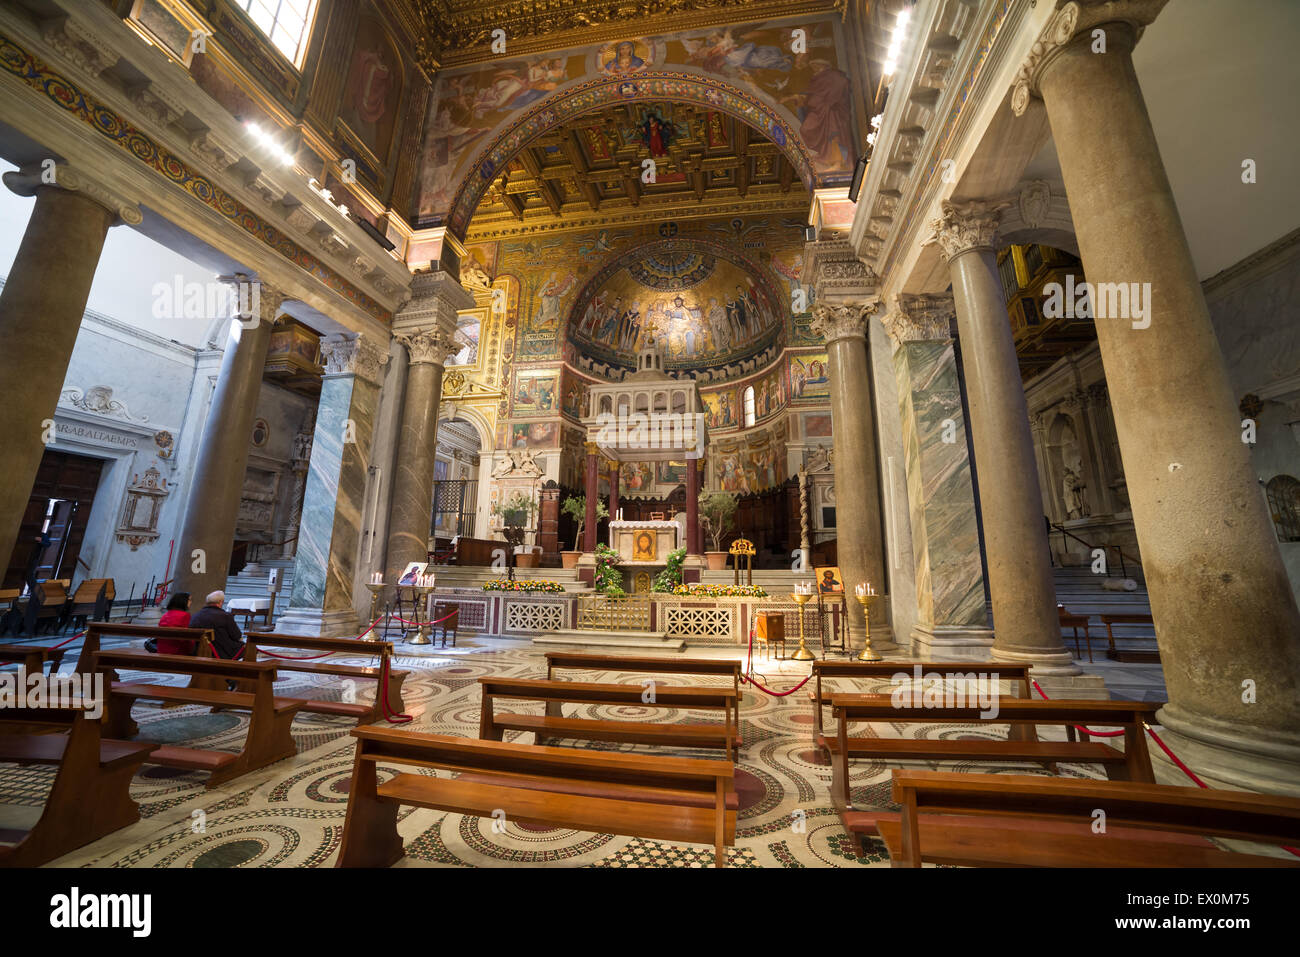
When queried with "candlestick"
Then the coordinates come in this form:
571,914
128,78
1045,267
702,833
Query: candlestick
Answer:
867,596
802,598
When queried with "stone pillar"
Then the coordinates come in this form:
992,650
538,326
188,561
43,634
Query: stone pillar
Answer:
613,491
1026,626
859,542
329,531
379,485
41,307
208,532
1226,617
593,492
693,469
426,326
951,617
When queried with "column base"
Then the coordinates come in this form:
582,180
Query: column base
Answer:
1227,754
318,623
1056,664
150,616
952,641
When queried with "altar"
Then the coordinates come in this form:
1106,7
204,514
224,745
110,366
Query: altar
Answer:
645,542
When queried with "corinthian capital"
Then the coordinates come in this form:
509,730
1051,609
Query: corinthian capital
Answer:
353,354
965,226
920,318
431,346
850,321
1070,21
254,300
35,176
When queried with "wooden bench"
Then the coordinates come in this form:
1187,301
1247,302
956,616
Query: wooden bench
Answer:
93,599
1075,622
91,796
635,795
1017,675
48,603
645,664
1005,820
676,734
1116,654
364,713
96,631
33,658
1131,764
268,740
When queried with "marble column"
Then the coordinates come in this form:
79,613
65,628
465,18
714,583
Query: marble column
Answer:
208,532
1226,618
41,307
329,531
379,484
693,469
426,327
592,493
613,491
951,617
860,543
1025,621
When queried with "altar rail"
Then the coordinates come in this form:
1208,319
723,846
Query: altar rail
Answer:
698,621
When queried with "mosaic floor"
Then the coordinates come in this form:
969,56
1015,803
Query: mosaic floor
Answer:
291,814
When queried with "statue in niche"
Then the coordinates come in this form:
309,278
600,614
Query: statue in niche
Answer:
820,459
1072,487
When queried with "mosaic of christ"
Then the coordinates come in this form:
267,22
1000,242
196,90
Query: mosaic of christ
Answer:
706,310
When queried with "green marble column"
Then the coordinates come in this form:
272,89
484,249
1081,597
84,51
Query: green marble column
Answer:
330,528
951,616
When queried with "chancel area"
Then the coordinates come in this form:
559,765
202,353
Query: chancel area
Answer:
692,433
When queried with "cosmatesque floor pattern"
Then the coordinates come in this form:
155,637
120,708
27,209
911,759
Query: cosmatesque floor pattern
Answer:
291,813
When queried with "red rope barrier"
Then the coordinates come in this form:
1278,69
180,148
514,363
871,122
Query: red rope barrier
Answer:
749,666
272,654
1079,727
69,641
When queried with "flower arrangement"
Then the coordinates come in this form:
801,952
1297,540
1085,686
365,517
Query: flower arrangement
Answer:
607,574
529,585
671,576
697,590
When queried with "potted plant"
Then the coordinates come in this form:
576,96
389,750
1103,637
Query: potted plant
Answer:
575,506
717,509
516,514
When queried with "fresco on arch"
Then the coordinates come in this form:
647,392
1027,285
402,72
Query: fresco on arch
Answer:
809,91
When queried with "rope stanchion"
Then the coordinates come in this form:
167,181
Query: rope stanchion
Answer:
1079,727
749,667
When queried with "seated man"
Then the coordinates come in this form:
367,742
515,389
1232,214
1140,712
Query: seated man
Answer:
227,639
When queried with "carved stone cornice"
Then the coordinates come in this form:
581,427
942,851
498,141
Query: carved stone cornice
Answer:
834,270
86,50
848,321
920,318
33,177
431,347
1072,20
353,354
436,298
966,226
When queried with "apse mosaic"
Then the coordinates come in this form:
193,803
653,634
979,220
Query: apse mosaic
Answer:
801,98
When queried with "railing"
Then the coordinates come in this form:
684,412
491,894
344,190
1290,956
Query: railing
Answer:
1066,533
632,613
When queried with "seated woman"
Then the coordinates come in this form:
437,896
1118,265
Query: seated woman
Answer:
176,616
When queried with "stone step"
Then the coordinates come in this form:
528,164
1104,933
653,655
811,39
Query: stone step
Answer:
609,639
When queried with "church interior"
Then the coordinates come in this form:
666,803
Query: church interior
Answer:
857,433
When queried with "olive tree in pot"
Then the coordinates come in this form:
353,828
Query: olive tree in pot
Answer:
516,514
575,506
717,510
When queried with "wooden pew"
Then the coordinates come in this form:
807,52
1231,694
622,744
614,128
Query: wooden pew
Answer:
93,599
1003,820
636,795
677,734
31,657
269,738
1075,622
96,631
1116,654
48,603
91,796
1017,675
645,664
364,713
1132,764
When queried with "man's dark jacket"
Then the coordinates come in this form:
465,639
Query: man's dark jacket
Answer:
226,636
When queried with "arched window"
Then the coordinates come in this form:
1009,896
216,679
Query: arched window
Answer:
1284,505
286,22
749,406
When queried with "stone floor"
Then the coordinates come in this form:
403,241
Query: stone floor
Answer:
291,814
